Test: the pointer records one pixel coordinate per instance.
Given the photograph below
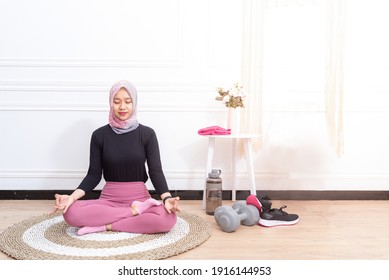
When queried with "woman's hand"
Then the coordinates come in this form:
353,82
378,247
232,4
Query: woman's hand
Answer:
171,204
62,203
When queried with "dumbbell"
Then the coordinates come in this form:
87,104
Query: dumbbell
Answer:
229,218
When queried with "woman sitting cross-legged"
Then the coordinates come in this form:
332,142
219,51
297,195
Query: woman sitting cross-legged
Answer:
119,152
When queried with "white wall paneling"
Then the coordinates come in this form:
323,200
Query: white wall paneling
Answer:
58,60
90,33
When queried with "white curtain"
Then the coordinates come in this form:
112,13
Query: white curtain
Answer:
253,64
252,67
334,89
288,3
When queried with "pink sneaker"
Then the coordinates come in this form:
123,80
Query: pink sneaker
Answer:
262,204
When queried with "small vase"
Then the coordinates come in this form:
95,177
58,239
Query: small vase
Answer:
233,121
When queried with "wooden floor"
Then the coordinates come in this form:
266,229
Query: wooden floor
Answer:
327,230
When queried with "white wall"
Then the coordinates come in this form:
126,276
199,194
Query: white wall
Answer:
58,60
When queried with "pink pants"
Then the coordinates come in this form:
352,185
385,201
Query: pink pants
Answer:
113,207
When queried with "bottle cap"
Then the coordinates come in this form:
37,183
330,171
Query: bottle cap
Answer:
215,173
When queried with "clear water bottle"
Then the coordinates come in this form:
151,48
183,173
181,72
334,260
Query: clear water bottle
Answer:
213,191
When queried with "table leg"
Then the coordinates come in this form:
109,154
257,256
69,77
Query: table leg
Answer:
234,163
250,167
211,148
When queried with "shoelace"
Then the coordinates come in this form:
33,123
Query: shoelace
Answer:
280,210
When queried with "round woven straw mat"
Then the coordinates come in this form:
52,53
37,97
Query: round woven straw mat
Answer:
48,237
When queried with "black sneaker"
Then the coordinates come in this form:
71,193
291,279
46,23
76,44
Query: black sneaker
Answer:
277,217
262,204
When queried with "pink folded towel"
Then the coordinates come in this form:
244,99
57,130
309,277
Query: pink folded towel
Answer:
214,130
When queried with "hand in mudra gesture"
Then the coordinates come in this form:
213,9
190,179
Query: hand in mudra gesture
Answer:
171,204
62,203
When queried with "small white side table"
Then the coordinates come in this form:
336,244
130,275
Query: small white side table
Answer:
247,139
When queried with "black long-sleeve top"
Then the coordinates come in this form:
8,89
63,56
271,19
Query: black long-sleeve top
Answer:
123,157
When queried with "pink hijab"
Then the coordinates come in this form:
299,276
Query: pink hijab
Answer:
119,126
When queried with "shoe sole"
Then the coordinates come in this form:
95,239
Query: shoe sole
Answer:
275,223
253,200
